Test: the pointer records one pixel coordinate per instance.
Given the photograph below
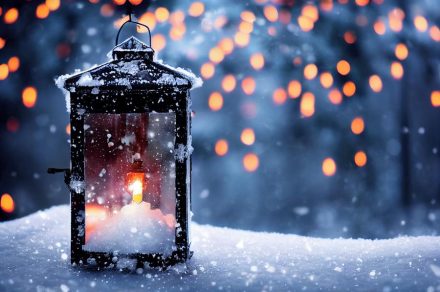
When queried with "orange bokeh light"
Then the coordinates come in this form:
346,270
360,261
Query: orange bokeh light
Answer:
7,203
162,14
305,23
11,16
326,79
158,42
68,129
226,45
310,71
343,67
4,71
228,83
107,10
251,162
360,158
216,55
196,9
215,101
357,125
241,39
335,96
421,23
42,11
401,51
435,98
248,85
395,18
221,147
279,96
53,4
2,43
257,61
13,64
311,12
362,2
434,33
149,20
271,13
349,37
379,27
207,70
349,88
177,17
119,2
326,5
177,31
247,136
328,167
29,96
307,105
135,2
396,70
375,83
246,27
248,16
294,89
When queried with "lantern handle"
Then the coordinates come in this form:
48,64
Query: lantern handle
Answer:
122,26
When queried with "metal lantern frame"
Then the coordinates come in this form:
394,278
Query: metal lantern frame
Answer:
139,97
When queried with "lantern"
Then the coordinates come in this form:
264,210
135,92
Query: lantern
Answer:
130,159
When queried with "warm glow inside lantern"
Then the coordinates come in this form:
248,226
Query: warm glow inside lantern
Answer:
130,159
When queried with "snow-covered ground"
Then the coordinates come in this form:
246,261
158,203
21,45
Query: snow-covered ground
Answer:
34,256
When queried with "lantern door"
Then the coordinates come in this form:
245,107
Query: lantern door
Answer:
130,183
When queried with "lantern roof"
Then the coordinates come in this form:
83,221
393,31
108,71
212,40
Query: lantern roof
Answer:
133,68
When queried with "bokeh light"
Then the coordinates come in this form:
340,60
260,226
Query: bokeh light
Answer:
221,147
251,162
357,125
7,203
343,67
29,96
328,167
248,85
294,89
11,16
247,136
349,88
279,96
375,83
215,101
257,61
229,82
360,159
307,105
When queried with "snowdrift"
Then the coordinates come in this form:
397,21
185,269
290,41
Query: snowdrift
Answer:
34,254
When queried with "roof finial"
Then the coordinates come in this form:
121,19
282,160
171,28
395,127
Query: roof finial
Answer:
129,10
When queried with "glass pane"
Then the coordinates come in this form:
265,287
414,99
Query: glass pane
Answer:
130,182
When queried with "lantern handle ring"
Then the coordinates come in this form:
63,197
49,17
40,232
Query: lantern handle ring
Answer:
122,26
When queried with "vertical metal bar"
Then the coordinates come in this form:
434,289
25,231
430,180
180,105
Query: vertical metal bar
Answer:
77,174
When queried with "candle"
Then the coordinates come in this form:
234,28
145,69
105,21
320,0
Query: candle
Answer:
135,228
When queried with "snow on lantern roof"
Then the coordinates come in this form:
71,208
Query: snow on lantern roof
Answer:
133,44
133,67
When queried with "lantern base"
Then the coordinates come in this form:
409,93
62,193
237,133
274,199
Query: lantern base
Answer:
101,260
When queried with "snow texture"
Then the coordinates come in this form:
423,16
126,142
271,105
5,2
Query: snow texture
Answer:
195,81
87,80
136,228
35,252
60,81
182,152
131,44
